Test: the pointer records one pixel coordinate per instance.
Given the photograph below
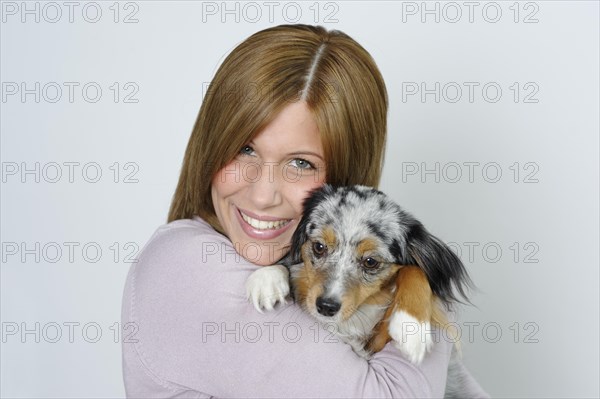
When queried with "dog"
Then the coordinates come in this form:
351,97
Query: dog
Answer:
360,262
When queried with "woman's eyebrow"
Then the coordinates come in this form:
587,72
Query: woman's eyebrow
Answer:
307,153
251,143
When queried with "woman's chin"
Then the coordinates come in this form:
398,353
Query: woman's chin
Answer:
261,254
264,263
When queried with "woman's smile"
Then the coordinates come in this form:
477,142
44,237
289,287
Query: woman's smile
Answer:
264,228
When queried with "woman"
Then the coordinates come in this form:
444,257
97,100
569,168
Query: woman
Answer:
291,108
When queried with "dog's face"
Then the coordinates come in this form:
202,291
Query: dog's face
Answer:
352,241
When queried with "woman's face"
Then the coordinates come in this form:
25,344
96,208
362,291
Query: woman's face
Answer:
258,196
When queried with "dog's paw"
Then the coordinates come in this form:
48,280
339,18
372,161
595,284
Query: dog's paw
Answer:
267,286
413,337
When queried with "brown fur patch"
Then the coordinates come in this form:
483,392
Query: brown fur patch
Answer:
366,245
376,293
385,295
355,297
329,237
413,295
308,282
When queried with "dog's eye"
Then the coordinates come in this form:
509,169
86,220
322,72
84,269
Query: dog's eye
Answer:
318,248
370,263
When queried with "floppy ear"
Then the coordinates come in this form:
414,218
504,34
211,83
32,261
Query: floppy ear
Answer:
300,236
446,273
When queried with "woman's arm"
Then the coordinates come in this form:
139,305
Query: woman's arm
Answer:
197,335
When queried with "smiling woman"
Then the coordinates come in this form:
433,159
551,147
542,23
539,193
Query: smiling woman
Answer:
316,113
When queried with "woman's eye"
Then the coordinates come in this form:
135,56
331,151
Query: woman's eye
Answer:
247,150
302,164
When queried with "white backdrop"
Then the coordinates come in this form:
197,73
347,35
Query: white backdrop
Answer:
493,144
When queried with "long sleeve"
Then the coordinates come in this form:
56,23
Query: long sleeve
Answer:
190,332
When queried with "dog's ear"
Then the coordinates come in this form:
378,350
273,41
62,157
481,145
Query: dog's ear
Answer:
305,225
445,271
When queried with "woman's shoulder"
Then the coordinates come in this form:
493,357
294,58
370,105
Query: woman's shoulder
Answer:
173,232
183,238
188,254
183,248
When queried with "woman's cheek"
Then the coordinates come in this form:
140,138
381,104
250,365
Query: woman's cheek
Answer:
303,189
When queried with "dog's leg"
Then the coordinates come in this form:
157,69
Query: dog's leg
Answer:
267,286
409,317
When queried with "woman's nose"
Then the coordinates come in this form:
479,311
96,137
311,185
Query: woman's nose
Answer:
266,186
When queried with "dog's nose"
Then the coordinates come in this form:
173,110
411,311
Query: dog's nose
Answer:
327,307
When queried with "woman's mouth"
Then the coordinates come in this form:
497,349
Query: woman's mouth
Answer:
262,229
263,224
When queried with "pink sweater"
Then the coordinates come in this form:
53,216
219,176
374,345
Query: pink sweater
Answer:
192,333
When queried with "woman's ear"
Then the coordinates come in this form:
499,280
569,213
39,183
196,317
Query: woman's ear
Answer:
445,271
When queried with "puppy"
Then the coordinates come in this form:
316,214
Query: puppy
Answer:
362,263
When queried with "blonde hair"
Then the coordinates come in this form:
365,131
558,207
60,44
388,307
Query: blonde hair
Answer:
331,72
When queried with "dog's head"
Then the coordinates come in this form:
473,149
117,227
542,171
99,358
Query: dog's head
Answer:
352,241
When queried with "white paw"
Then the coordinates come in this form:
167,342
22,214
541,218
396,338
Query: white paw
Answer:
412,337
267,286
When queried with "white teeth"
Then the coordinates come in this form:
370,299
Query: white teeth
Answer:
263,225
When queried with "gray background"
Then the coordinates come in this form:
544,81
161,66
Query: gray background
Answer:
525,220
